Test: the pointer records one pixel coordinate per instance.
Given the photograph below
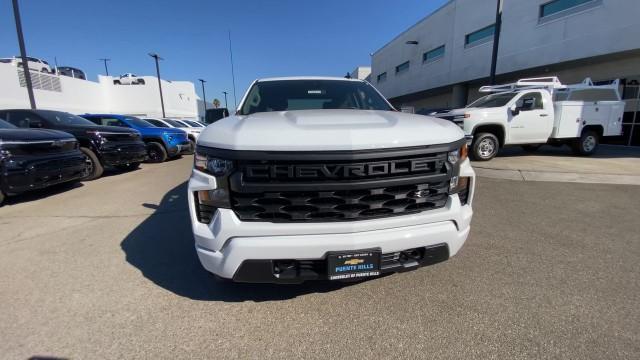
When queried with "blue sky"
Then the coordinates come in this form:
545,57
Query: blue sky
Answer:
270,37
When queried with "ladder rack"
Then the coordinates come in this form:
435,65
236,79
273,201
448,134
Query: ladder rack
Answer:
549,83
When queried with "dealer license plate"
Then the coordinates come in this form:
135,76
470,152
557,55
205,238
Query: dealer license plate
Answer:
353,264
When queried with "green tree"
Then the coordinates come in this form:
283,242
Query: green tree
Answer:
216,103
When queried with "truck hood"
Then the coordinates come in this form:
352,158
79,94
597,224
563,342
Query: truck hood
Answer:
326,130
81,130
159,131
7,135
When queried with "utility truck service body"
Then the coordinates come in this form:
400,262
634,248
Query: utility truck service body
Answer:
537,111
321,178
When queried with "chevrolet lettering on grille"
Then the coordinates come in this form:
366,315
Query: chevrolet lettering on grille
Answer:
337,171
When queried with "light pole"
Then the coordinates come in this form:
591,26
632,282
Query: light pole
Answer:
23,54
106,69
158,58
204,96
496,43
233,76
225,100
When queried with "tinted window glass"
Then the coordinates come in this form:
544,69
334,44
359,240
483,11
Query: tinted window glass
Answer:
433,54
556,6
402,67
286,95
107,121
24,119
157,123
174,123
137,122
63,118
484,34
493,100
6,125
537,100
193,123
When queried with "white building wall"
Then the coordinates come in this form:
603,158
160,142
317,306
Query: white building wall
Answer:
610,27
83,96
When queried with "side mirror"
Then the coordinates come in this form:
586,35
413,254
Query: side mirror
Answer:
514,110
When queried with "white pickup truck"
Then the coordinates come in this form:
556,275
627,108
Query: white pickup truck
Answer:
321,178
537,111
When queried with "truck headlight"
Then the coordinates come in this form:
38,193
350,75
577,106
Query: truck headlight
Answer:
214,166
459,155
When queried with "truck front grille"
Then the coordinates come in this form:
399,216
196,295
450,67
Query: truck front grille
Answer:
341,204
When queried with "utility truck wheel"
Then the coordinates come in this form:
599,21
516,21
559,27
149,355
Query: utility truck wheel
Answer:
531,148
156,152
587,143
95,169
485,146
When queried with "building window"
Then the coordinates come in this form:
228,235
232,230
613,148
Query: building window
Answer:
434,54
402,67
382,77
480,36
560,8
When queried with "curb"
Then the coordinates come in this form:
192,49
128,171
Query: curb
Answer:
524,175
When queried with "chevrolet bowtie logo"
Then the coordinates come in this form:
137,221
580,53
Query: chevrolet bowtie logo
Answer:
353,262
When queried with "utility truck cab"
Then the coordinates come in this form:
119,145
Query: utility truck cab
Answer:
537,111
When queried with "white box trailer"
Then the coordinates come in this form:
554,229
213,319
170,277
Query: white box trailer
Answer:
538,111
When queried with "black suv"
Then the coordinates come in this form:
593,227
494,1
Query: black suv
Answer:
105,146
34,159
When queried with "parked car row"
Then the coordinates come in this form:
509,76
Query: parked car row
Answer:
40,65
39,148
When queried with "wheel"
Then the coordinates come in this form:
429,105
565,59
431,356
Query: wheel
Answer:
485,146
95,169
2,197
531,148
156,152
587,143
128,167
116,82
141,81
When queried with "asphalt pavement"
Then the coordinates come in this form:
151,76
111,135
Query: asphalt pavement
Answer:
107,269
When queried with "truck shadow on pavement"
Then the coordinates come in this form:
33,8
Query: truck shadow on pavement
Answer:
162,248
603,152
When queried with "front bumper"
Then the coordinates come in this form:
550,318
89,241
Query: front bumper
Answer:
20,175
122,154
179,149
226,245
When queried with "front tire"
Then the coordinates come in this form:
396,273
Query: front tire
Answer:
2,197
93,163
587,143
192,144
485,147
156,152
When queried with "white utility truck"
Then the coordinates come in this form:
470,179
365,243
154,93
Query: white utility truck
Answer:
537,111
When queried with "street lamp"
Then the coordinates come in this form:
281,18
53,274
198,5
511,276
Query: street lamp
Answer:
158,58
23,54
106,69
204,96
225,100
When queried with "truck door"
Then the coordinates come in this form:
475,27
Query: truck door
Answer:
531,119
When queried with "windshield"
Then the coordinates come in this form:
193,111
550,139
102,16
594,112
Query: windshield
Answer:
493,100
289,95
138,122
6,125
173,123
63,118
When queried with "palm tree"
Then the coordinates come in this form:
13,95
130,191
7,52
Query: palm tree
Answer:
216,103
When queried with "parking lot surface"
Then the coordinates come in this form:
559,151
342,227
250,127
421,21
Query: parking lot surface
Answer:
107,270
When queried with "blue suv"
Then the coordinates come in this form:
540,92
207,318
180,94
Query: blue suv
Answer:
161,142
